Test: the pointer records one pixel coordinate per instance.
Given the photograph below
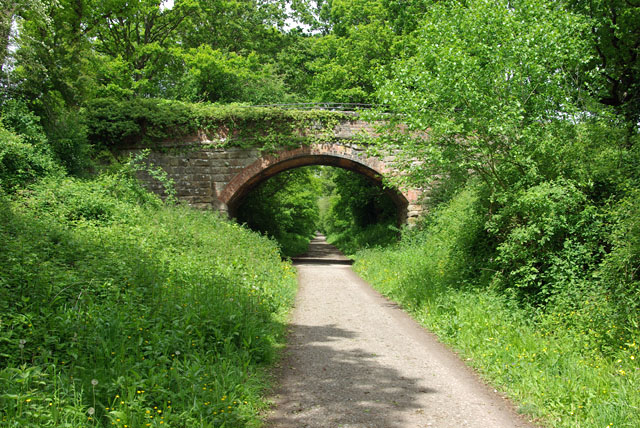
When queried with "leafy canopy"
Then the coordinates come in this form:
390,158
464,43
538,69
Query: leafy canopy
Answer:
487,82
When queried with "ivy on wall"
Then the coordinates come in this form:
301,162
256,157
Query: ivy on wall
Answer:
146,122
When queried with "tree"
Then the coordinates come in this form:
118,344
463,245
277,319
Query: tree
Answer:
496,86
240,26
615,34
135,37
52,73
10,11
349,59
215,76
147,49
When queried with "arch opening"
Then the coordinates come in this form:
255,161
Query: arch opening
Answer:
263,169
292,206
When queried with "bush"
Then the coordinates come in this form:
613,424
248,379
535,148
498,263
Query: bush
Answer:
620,271
21,162
549,239
67,136
63,141
445,253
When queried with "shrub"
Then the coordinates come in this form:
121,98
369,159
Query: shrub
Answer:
620,271
447,252
21,162
67,136
549,239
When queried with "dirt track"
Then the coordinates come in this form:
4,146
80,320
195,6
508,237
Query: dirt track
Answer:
356,360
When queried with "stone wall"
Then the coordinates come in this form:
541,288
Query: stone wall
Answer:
209,176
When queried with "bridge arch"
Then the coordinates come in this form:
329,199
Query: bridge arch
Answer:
347,156
209,171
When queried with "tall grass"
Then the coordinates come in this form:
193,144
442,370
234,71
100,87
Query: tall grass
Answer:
119,311
553,361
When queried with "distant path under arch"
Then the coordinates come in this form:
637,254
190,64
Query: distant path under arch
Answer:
349,157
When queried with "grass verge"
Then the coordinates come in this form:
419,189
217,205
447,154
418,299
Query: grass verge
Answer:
118,311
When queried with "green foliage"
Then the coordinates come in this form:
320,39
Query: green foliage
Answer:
446,253
21,163
533,274
621,268
52,62
496,84
52,75
66,132
347,61
215,76
285,207
193,51
552,243
236,26
615,69
512,111
49,79
116,309
17,118
114,123
24,153
359,213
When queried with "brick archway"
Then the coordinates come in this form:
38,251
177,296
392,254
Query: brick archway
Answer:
210,172
339,155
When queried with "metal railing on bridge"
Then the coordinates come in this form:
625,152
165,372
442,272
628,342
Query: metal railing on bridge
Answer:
346,107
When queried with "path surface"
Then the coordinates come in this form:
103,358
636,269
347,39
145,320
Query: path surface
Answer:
321,252
356,360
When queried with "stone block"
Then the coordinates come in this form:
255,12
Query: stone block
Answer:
200,162
240,154
202,178
197,155
221,178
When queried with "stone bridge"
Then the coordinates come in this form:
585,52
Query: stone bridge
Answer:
210,174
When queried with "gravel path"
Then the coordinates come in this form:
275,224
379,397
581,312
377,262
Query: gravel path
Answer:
356,360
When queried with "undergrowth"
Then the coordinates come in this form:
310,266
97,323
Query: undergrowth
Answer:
117,310
570,362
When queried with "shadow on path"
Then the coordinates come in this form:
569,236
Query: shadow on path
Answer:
340,387
320,252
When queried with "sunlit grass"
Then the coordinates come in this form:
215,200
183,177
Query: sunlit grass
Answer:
134,314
